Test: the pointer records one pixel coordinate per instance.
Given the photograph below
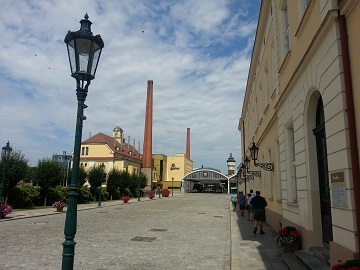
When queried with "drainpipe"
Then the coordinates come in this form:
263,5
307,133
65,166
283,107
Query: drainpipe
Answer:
243,139
351,116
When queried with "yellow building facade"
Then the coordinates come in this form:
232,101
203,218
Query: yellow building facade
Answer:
112,151
297,109
171,169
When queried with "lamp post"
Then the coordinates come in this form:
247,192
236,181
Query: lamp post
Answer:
84,50
102,167
172,186
254,155
5,154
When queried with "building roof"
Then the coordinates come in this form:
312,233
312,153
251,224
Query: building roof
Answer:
124,148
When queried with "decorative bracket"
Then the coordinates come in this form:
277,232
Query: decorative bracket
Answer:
265,166
254,173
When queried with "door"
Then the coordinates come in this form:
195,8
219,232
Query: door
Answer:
324,189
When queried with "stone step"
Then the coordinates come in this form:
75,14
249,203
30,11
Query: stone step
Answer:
311,260
322,253
293,262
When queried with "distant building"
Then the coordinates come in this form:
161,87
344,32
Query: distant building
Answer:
169,170
112,151
64,160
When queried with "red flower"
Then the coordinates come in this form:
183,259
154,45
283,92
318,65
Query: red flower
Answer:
294,233
282,232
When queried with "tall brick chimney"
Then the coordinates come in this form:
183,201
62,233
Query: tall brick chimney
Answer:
188,143
147,151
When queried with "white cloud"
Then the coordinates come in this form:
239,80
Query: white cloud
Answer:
196,52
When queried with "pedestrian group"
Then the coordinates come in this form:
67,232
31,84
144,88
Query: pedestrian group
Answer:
254,205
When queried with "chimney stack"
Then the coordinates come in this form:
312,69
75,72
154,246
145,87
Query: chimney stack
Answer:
188,143
147,155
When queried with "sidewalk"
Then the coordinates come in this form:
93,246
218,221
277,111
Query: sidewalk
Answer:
29,213
253,251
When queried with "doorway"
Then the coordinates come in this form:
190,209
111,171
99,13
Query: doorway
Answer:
323,174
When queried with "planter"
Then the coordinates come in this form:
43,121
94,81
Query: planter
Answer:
291,248
59,209
125,199
2,215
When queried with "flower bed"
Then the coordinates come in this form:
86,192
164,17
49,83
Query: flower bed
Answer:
349,265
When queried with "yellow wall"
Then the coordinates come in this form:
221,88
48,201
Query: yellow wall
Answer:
178,166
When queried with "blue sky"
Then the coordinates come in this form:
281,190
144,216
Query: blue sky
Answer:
196,52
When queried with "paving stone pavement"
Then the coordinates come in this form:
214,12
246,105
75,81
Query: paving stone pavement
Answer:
184,231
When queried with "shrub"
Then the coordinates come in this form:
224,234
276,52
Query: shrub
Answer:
165,192
24,196
57,193
151,196
85,195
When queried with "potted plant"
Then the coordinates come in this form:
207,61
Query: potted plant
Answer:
125,199
5,210
349,264
59,205
165,192
151,196
287,239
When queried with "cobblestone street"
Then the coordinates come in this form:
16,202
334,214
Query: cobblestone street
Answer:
186,232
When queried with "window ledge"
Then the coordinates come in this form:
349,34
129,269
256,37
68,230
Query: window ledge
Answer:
294,204
304,19
286,60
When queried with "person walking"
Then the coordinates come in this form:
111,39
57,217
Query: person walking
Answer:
248,207
258,206
234,200
242,202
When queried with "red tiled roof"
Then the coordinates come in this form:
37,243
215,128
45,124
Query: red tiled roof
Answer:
102,138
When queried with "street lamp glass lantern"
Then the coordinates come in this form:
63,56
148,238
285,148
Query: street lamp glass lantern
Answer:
6,151
84,50
247,162
254,150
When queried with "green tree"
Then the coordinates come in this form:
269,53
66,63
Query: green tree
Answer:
48,175
82,175
113,184
142,180
16,169
96,176
124,182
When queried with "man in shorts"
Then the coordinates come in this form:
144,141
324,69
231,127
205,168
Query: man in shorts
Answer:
258,207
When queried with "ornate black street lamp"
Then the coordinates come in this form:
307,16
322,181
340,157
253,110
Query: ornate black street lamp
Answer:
254,155
84,50
247,166
102,167
5,154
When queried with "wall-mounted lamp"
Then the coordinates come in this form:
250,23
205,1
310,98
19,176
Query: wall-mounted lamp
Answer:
254,150
247,166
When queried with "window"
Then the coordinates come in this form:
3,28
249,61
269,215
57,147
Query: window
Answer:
285,28
87,151
268,176
266,86
278,175
82,151
291,166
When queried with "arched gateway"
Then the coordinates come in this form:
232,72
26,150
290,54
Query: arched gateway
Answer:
209,180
